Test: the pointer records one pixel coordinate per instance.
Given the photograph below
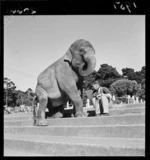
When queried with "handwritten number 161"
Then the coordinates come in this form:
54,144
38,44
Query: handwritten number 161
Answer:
124,5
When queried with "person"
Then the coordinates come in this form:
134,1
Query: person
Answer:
7,109
101,99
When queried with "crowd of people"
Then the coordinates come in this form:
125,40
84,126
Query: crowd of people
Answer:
19,109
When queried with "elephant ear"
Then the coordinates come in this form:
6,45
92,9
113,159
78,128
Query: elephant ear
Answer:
68,56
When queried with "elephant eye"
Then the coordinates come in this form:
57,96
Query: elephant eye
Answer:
81,50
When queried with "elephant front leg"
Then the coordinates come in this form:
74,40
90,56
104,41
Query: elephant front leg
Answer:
77,101
43,100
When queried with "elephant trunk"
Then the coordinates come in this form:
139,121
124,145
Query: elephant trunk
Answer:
89,65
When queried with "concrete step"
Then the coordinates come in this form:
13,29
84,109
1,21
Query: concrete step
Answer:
74,146
121,106
7,116
91,111
18,117
129,119
120,111
122,131
12,152
128,105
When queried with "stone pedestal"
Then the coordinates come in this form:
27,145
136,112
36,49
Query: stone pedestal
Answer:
133,99
113,98
137,99
88,103
128,98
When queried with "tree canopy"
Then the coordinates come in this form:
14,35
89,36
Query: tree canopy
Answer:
88,80
13,97
9,94
138,76
124,87
107,74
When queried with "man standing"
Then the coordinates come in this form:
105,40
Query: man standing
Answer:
101,100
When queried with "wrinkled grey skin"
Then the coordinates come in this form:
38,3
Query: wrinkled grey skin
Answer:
58,82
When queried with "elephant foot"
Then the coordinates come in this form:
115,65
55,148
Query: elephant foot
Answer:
58,115
41,122
81,114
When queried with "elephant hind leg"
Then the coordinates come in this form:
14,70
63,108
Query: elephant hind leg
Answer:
43,100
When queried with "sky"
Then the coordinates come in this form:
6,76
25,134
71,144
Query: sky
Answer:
32,43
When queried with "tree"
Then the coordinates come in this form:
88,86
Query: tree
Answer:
141,92
143,71
9,87
29,97
106,75
124,87
88,80
29,90
129,73
140,75
20,98
14,97
87,85
25,98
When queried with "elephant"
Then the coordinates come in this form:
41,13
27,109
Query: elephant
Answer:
61,81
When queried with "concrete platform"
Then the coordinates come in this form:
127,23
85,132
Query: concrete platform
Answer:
9,152
129,119
125,131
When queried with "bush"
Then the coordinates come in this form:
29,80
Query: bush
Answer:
124,87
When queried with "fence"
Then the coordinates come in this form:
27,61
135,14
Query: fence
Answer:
127,100
120,100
